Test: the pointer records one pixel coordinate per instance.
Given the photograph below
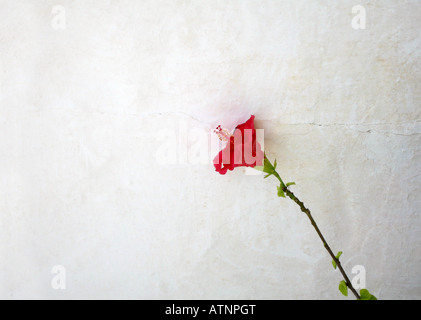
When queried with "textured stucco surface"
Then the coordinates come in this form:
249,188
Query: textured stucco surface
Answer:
91,115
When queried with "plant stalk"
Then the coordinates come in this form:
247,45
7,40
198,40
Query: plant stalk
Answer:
325,244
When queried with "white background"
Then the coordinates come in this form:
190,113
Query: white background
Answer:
89,111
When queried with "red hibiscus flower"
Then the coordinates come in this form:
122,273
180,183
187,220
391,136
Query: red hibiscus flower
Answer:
241,150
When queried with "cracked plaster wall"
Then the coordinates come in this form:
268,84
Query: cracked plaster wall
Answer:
84,112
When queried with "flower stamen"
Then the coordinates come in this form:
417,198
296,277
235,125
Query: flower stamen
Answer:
222,134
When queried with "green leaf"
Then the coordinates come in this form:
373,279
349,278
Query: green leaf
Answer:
366,295
337,257
274,165
290,184
267,166
281,193
343,288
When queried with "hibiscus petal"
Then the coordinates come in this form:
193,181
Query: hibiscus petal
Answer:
242,150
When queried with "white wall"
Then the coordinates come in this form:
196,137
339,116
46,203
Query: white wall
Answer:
85,105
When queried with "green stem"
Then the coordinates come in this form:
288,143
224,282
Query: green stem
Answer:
313,223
